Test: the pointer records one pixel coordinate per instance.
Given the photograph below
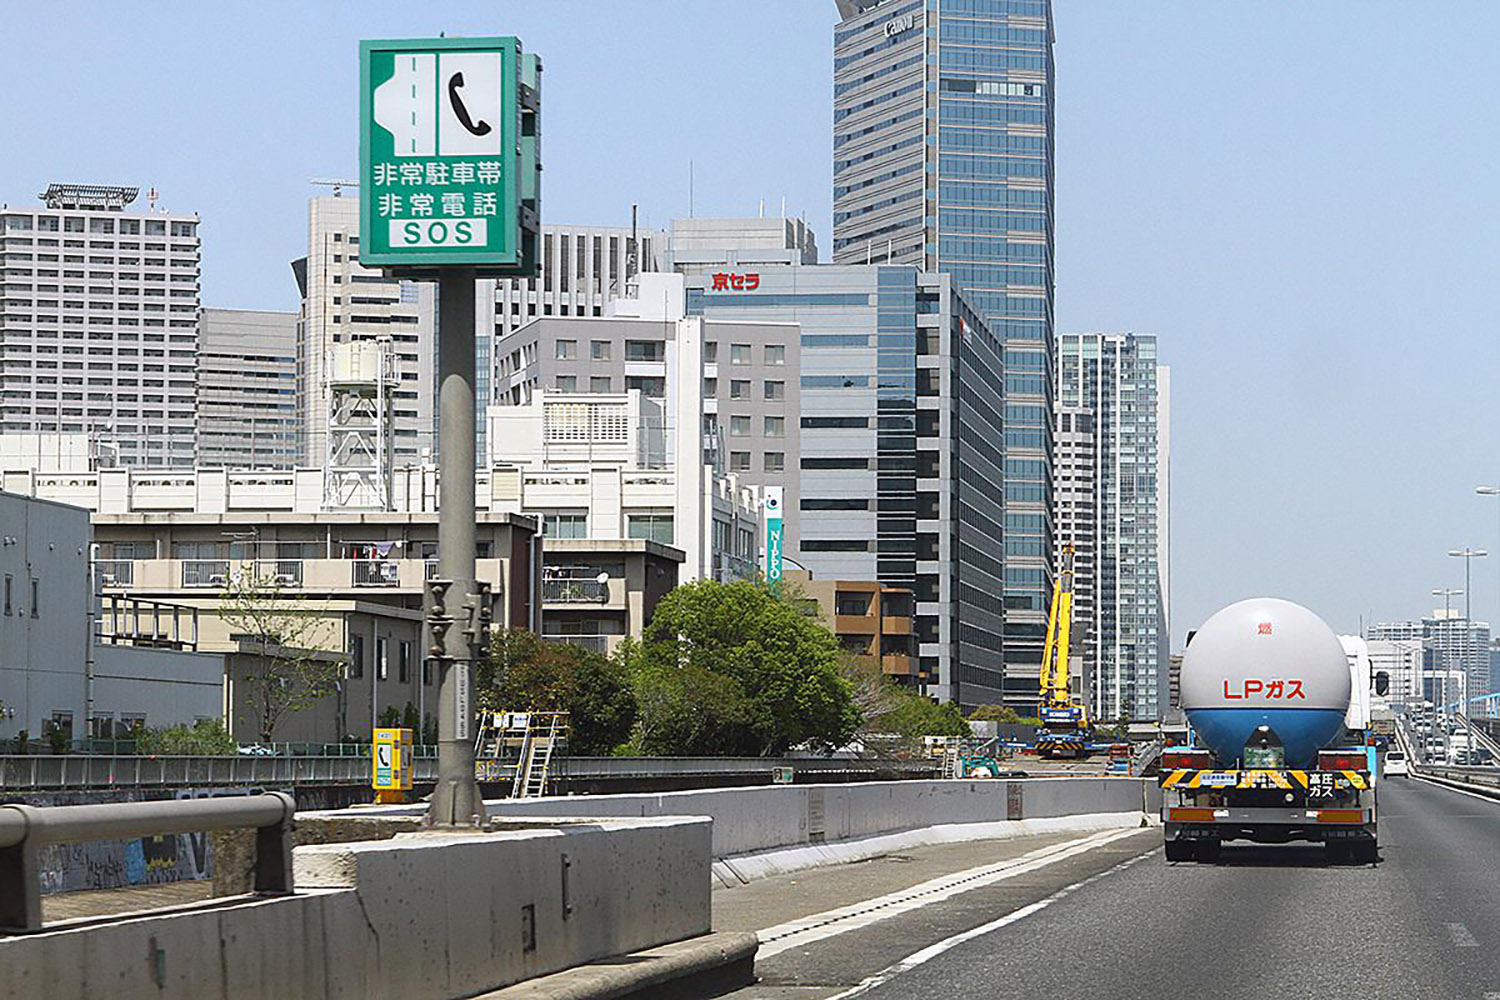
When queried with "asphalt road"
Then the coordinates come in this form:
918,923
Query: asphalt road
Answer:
1266,922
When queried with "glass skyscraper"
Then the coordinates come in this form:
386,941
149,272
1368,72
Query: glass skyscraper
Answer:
943,144
1112,510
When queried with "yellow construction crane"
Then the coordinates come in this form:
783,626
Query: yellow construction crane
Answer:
1064,731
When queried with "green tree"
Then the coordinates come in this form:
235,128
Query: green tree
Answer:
285,645
523,673
768,674
204,738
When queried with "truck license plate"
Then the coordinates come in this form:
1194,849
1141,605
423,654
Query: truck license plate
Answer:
1218,778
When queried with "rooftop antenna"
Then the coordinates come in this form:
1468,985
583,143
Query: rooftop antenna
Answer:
151,197
763,208
337,184
690,189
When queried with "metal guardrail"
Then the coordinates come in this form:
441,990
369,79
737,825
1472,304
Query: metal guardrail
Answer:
24,774
25,830
1481,777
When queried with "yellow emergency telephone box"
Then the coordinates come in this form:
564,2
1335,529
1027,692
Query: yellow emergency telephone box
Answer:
391,764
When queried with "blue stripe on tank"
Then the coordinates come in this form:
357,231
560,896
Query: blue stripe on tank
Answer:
1303,731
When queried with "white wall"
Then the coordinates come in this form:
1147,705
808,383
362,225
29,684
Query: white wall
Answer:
43,648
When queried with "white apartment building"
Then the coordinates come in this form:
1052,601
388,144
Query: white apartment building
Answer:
343,302
247,389
1405,661
604,466
99,324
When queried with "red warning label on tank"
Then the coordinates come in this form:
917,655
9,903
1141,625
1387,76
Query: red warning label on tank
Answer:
1277,689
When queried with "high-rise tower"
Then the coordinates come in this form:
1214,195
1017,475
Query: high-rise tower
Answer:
942,150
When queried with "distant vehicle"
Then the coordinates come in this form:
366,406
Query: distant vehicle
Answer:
256,750
1395,764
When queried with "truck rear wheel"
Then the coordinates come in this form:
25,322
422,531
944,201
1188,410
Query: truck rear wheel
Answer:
1179,850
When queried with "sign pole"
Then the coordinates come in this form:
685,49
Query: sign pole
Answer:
456,800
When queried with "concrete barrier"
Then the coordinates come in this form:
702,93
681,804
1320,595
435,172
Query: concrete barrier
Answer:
746,820
420,917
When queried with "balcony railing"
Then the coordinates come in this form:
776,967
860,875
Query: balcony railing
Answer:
377,573
115,572
575,591
596,643
205,573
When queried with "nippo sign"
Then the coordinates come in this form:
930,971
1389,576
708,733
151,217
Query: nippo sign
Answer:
441,161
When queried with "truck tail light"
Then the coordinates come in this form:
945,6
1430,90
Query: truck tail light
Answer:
1341,760
1179,759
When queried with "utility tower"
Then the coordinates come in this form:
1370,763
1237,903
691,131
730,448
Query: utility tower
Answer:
360,385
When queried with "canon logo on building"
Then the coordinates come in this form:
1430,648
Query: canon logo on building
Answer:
896,25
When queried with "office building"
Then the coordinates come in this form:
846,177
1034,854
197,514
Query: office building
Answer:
247,389
943,159
902,458
1460,659
1405,661
733,386
343,302
1108,490
871,621
99,325
698,245
603,466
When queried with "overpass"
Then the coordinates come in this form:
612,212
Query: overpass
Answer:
965,888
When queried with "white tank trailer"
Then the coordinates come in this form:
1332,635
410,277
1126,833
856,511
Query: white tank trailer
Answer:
1266,688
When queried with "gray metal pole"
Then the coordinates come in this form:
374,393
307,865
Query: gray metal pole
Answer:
455,800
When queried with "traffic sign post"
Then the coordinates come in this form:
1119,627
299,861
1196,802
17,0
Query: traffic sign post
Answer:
450,191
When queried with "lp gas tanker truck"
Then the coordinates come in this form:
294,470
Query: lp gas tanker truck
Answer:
1265,686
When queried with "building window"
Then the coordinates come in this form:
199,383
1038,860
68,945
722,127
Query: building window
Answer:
36,597
710,387
710,351
775,354
10,587
403,665
739,426
382,657
775,390
739,388
739,354
851,603
645,350
567,383
775,461
429,671
600,383
775,427
565,524
356,656
567,350
739,461
599,350
652,386
652,527
102,726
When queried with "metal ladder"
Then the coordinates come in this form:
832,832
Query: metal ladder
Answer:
953,759
536,758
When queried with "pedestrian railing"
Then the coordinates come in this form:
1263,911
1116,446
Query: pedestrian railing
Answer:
26,830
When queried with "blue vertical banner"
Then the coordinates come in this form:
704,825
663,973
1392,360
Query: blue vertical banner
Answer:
772,508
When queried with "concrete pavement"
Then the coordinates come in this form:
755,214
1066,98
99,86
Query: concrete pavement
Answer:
1118,921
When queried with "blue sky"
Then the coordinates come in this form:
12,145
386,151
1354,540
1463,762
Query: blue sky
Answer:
1298,200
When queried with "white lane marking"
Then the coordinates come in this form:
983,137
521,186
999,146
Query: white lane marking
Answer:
933,951
818,926
1461,936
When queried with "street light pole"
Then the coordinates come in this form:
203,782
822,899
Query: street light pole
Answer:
1493,491
1447,594
1468,555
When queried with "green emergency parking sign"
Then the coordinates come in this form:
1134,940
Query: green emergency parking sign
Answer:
448,158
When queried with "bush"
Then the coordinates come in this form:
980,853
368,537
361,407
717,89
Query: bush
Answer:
205,738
